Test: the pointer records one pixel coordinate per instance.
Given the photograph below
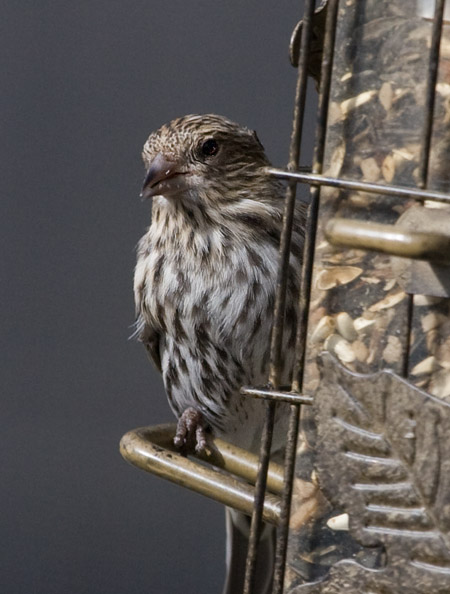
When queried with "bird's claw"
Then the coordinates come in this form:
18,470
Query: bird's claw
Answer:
190,431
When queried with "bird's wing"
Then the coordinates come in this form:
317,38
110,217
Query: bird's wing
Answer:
151,339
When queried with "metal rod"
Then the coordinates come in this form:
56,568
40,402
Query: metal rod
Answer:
259,499
433,67
409,322
291,397
389,239
152,450
427,133
347,184
305,291
280,297
311,230
283,526
294,157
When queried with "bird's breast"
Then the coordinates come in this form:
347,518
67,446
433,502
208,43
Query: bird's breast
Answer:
226,298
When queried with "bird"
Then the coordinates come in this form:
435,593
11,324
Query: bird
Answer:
205,284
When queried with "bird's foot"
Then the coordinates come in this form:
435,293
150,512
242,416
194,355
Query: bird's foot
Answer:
191,431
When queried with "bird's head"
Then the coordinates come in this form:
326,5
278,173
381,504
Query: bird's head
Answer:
203,157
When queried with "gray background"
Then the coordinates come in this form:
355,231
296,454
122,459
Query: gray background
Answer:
84,83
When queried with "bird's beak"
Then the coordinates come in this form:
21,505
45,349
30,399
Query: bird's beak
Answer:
161,169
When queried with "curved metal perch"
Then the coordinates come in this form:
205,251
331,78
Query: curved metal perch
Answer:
224,473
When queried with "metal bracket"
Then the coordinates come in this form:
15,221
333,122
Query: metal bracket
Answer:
390,239
422,258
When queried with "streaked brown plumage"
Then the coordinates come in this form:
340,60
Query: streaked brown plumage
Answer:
206,270
206,274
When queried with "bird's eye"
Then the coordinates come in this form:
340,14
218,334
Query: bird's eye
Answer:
209,148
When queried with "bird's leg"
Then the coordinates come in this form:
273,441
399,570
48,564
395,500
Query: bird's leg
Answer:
191,429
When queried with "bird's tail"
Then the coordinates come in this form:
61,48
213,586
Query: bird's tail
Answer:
238,532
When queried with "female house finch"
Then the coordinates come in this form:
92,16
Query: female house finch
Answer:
206,276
